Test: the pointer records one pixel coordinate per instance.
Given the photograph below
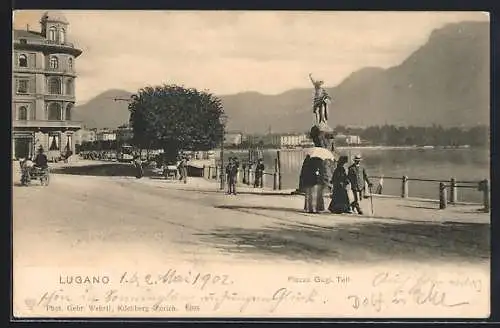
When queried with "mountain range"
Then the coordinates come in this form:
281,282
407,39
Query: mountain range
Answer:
445,81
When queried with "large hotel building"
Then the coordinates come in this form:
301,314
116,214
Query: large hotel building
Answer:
43,89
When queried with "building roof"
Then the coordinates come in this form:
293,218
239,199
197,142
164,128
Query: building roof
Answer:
54,16
23,34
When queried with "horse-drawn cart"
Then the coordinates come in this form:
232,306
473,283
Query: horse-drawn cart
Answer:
30,172
170,172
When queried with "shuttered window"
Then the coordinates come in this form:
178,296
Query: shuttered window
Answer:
23,86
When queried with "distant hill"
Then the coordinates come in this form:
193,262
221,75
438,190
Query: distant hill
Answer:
103,111
446,81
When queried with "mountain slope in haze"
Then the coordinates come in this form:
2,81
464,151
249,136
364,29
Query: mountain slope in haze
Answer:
445,81
103,111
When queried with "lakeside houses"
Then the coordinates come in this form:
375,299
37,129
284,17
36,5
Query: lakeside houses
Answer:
121,134
85,135
342,139
106,135
124,134
276,140
290,140
258,140
233,138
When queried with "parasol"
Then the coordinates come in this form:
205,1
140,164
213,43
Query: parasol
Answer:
320,152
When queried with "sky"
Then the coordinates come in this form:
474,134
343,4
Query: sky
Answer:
229,52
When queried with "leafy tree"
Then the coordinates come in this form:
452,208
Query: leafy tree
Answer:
175,118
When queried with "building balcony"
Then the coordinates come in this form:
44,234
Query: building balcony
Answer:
58,97
46,71
46,124
47,45
46,97
42,41
59,70
58,43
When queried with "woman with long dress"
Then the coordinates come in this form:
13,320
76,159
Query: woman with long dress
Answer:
312,183
138,167
340,183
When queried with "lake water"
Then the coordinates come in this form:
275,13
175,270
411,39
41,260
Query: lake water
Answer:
440,164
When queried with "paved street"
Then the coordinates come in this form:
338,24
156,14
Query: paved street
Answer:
112,226
91,220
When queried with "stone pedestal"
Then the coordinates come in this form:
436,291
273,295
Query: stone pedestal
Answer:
322,136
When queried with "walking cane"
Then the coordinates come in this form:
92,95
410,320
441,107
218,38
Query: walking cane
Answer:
371,199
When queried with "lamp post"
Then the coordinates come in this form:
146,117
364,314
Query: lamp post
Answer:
223,121
348,133
118,146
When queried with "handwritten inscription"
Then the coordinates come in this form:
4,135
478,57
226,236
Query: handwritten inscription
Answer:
193,292
398,289
115,299
172,276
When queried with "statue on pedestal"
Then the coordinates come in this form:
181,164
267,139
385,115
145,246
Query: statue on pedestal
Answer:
315,178
320,102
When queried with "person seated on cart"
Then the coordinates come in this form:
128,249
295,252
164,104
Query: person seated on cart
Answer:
26,167
41,160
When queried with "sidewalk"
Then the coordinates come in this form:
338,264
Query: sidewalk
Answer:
284,203
385,208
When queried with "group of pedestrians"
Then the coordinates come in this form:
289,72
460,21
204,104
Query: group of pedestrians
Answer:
182,166
231,171
347,185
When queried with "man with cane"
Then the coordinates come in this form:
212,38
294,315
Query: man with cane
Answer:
357,176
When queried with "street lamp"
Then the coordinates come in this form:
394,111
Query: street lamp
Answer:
118,150
223,121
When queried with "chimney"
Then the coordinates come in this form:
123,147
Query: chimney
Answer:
28,27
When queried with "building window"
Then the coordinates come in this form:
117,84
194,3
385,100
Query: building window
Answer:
22,41
22,114
62,36
52,33
23,61
70,63
69,87
22,86
53,62
69,143
54,112
54,86
54,142
69,109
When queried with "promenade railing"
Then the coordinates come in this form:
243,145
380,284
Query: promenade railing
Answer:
448,189
447,192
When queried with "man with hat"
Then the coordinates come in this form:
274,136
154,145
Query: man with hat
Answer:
259,173
41,160
231,173
357,176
